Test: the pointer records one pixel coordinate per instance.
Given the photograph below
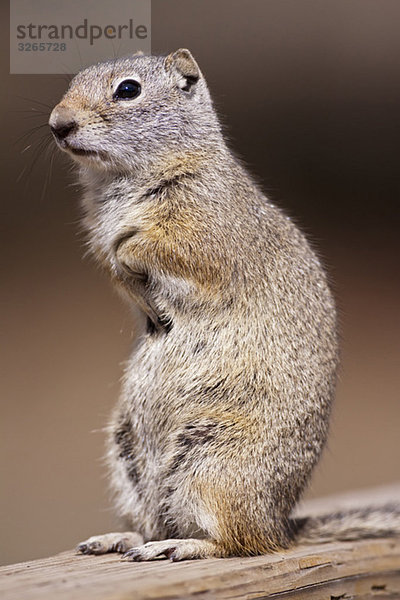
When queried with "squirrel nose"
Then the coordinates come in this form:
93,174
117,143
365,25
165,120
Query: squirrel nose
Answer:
62,122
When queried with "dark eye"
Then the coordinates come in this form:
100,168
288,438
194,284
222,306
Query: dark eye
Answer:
127,90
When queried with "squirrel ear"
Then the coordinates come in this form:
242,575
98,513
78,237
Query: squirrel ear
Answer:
183,66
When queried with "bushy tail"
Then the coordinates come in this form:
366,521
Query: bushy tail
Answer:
352,524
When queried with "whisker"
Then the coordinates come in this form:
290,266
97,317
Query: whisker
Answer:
66,77
20,176
39,146
30,132
29,111
79,53
47,180
36,102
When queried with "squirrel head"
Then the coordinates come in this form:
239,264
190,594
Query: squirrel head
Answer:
123,114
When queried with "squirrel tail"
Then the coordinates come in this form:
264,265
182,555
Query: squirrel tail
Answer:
352,524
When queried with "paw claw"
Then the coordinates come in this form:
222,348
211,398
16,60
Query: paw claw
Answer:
171,554
132,554
174,549
109,542
91,548
147,552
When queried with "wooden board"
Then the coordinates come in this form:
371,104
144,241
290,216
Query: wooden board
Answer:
361,570
367,569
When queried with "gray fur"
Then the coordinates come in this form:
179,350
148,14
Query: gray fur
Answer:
226,399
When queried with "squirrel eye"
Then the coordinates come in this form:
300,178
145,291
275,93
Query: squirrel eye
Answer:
127,90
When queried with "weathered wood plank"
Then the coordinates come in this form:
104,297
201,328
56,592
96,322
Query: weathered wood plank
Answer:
342,570
362,570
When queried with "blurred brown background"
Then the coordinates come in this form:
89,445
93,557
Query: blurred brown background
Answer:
309,91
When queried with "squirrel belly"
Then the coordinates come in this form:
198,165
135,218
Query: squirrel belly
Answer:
226,399
233,398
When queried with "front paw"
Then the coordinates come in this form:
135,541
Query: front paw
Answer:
110,542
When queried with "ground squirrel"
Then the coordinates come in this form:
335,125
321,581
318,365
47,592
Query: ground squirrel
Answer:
226,398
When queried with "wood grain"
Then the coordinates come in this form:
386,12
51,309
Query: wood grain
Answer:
341,570
361,569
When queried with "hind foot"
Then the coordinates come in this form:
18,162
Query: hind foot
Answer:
110,542
174,550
